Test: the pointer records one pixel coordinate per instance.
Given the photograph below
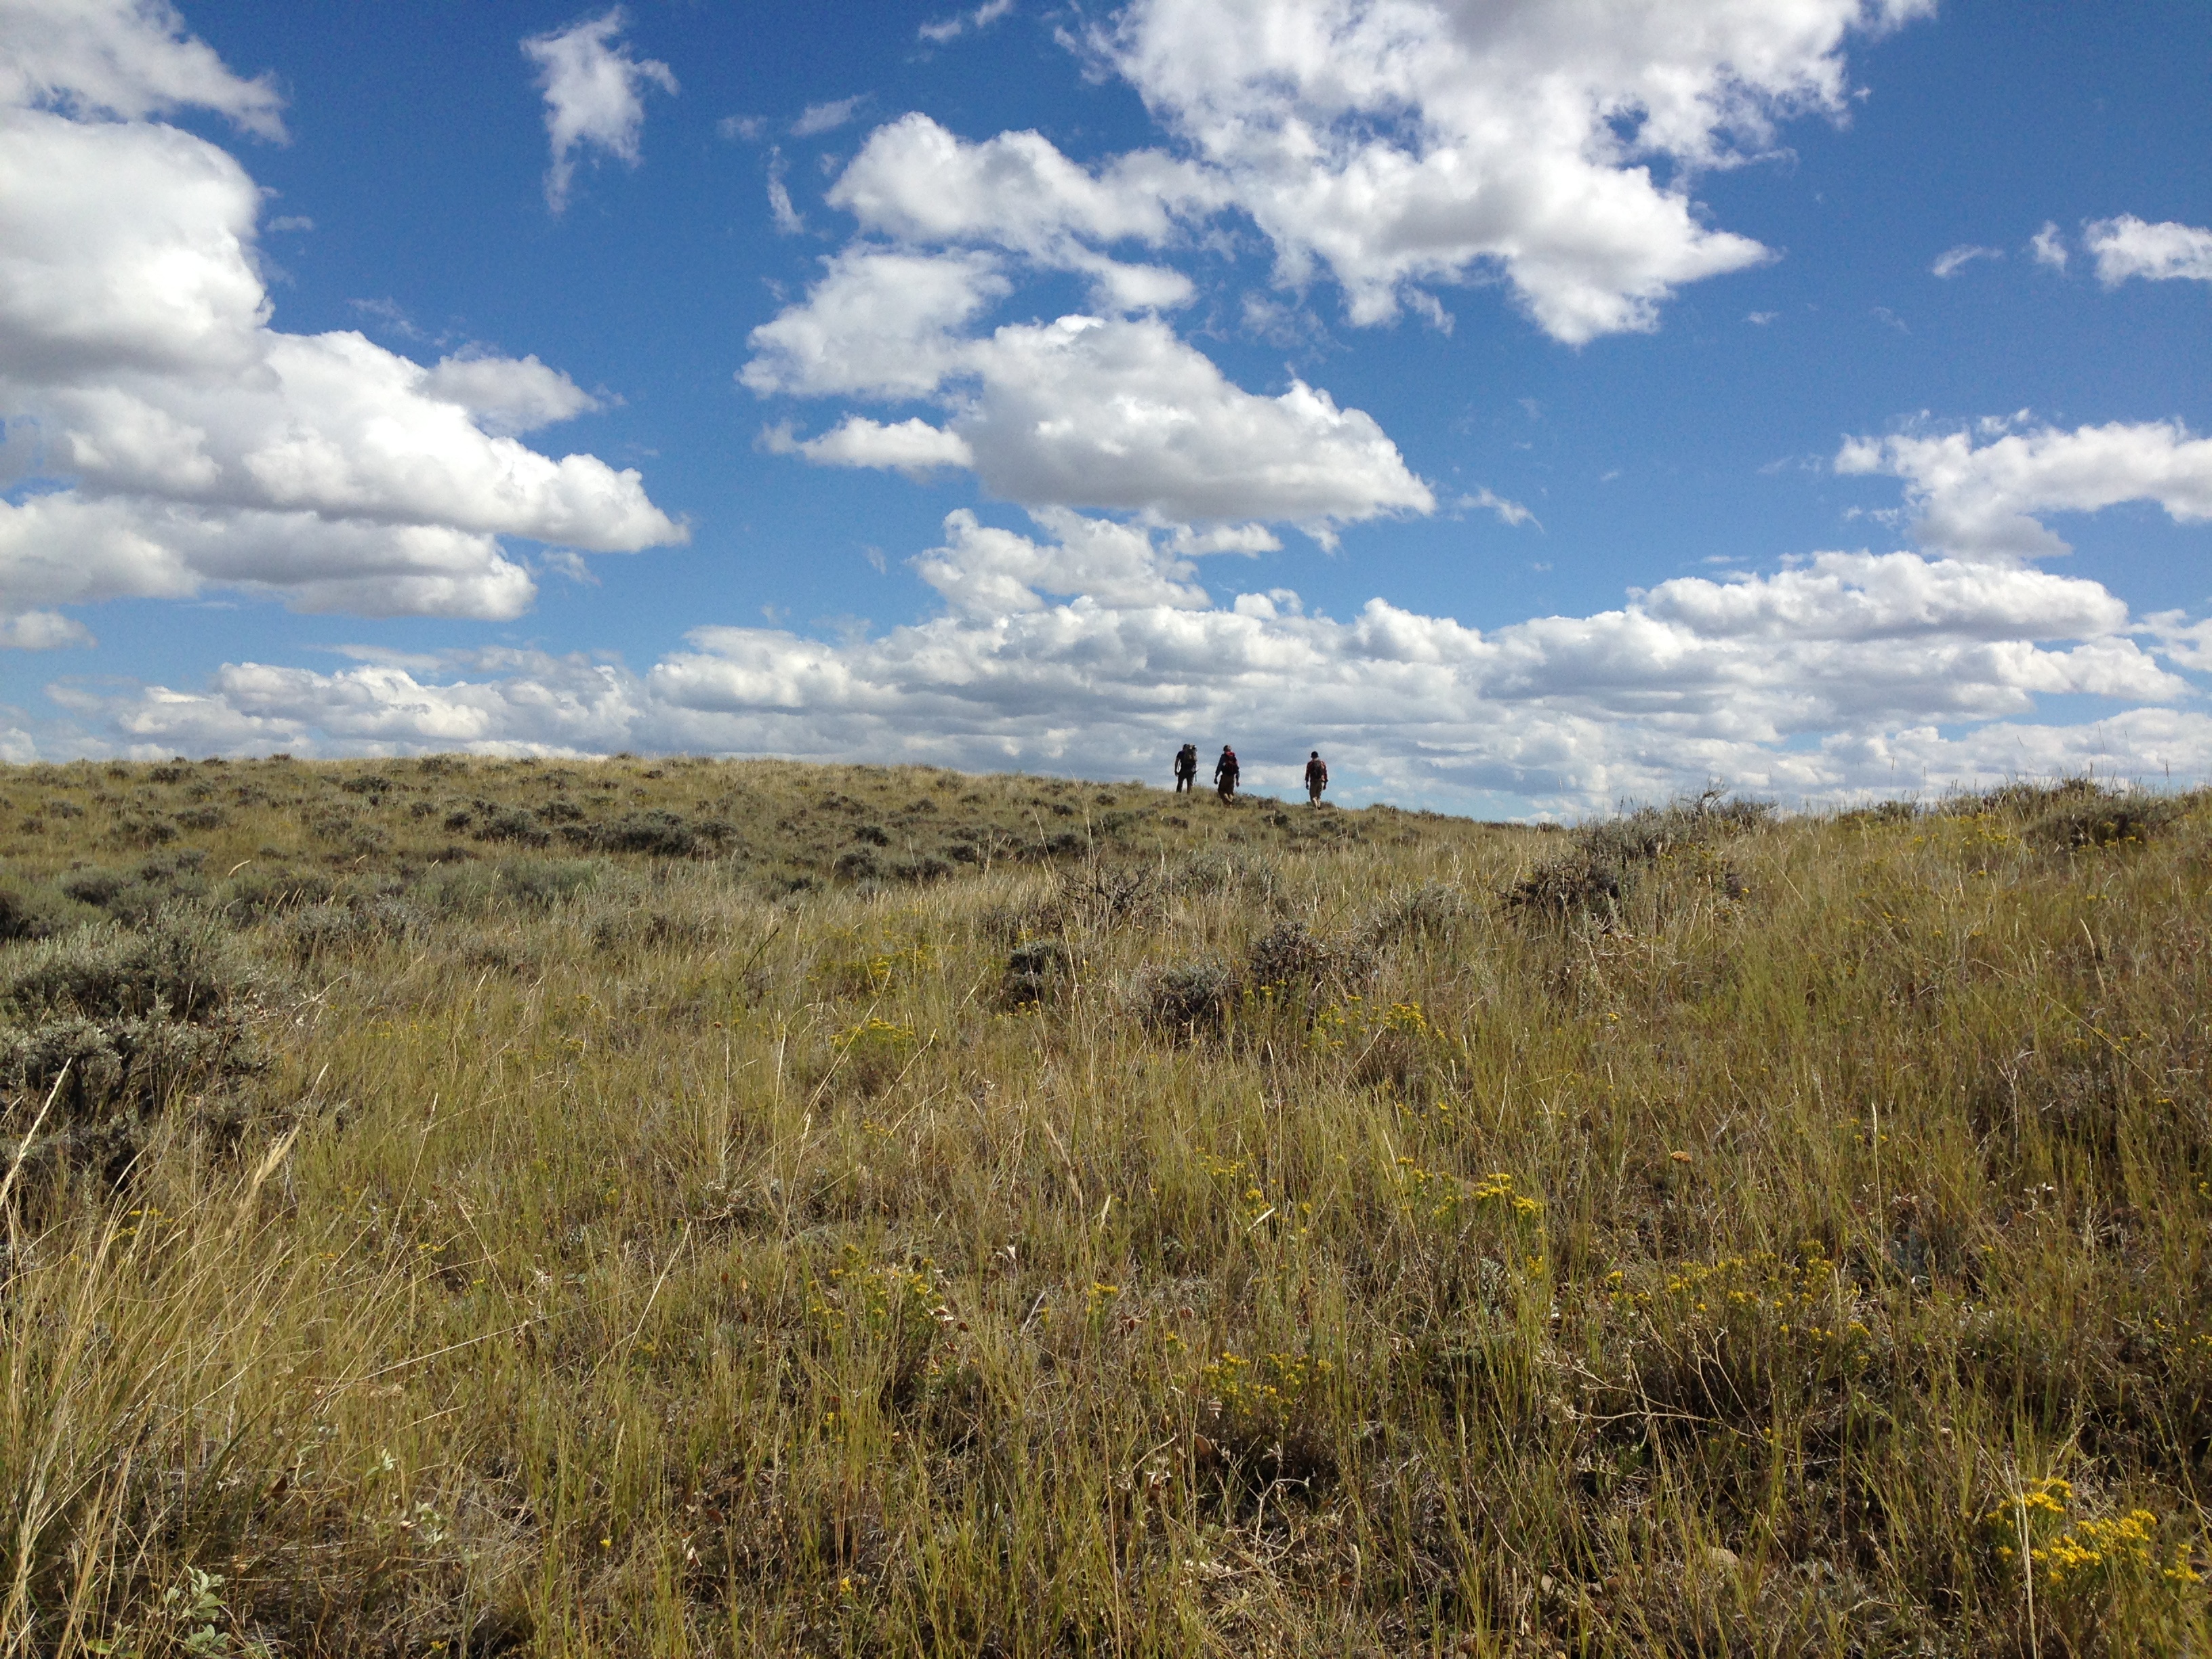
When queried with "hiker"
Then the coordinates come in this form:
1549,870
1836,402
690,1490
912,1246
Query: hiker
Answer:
1186,767
1316,778
1224,772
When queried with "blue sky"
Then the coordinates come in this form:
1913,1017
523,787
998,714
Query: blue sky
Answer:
1532,405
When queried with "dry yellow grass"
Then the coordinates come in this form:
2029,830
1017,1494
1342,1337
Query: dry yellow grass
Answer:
1265,1233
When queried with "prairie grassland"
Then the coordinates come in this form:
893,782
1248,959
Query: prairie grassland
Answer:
466,1206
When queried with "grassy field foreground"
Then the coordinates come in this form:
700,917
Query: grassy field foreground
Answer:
464,1207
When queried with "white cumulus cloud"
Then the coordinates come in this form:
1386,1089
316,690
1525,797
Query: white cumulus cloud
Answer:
594,89
2126,247
505,395
879,324
1089,411
42,631
913,446
1398,143
175,440
1981,501
916,182
126,59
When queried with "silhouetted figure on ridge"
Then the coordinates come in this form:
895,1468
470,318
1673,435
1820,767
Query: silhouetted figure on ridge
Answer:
1316,778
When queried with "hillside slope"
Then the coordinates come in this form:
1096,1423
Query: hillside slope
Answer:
679,1208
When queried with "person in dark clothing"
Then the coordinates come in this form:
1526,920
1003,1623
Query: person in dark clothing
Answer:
1316,778
1186,767
1224,772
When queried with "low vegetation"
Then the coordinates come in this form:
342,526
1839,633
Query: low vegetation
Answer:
466,1206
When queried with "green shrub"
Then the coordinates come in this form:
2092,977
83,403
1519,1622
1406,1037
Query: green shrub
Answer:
135,897
183,968
523,884
33,910
113,1025
1185,998
657,834
259,890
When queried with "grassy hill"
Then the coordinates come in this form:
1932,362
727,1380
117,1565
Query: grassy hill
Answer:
675,1207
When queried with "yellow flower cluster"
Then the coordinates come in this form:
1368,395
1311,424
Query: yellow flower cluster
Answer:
2122,1541
1760,1282
879,1292
1355,1023
1974,831
874,1029
1443,1197
876,971
2087,1547
1278,1380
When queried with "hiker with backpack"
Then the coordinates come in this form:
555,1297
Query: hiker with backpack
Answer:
1224,774
1186,767
1316,778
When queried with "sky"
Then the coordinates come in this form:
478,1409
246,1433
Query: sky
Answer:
1535,405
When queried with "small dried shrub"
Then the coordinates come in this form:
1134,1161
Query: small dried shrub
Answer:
321,929
1881,813
525,884
259,890
1430,912
872,1055
1210,871
138,831
1188,998
1035,971
2110,820
632,929
655,833
1290,960
1603,862
508,823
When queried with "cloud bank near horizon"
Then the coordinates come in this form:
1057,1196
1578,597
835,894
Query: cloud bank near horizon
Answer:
1093,647
166,439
